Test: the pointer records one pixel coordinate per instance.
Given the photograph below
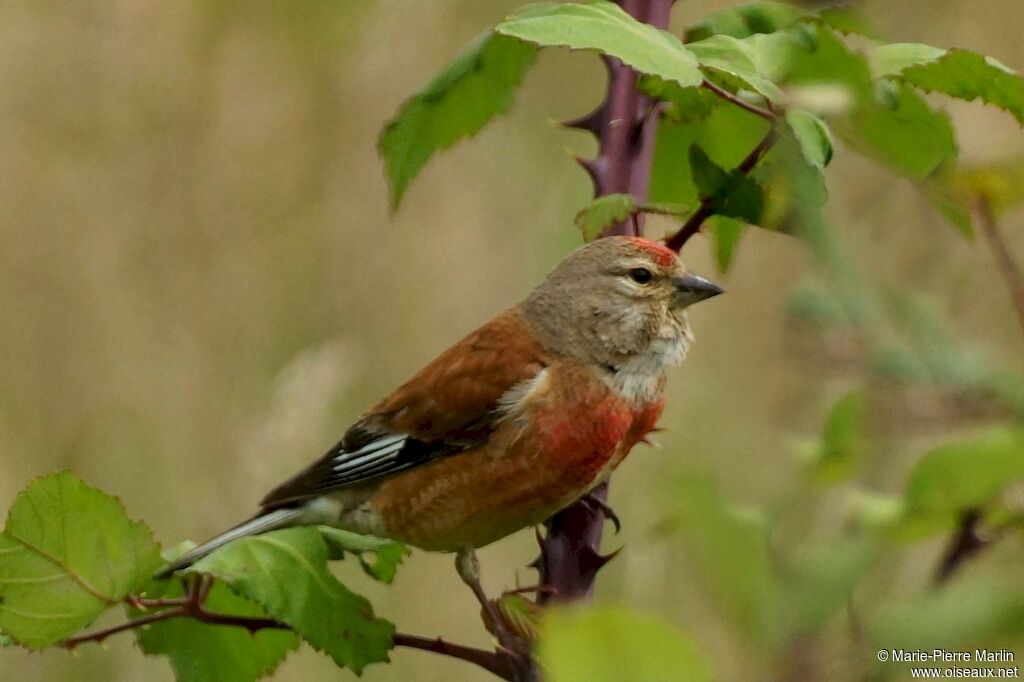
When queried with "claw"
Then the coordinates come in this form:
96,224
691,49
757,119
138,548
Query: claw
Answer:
596,505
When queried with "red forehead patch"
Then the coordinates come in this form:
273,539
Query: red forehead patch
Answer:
662,255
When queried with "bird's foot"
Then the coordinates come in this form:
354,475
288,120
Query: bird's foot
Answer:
598,506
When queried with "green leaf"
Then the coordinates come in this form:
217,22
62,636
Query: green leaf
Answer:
819,585
819,56
901,130
5,640
732,193
892,59
796,189
387,554
960,616
813,135
200,652
521,614
727,548
964,475
603,212
736,58
67,554
725,235
847,20
286,573
740,22
958,73
460,101
606,28
609,644
841,443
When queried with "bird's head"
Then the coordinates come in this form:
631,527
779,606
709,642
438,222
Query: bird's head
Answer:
612,298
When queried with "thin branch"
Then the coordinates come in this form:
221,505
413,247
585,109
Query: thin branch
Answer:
766,114
488,660
966,543
100,635
1008,267
193,606
707,206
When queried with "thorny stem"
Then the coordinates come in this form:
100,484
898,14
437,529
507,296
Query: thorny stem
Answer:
707,206
193,606
625,125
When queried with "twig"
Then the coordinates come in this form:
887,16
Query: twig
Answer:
192,605
1004,259
766,114
966,543
488,660
707,206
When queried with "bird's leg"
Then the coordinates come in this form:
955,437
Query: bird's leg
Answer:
469,570
596,505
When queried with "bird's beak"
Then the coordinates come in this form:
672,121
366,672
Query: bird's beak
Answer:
691,289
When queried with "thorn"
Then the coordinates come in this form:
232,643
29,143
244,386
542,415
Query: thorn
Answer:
595,169
592,123
605,558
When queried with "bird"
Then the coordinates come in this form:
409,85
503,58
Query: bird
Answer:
517,420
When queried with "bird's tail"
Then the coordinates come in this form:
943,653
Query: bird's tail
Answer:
262,523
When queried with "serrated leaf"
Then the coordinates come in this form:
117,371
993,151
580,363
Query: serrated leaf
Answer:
747,20
891,59
813,136
901,130
387,554
736,58
847,20
964,475
606,28
609,644
603,212
68,553
201,652
958,73
477,86
286,573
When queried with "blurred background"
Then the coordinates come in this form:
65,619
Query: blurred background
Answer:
201,286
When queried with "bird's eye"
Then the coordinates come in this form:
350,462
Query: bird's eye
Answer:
641,275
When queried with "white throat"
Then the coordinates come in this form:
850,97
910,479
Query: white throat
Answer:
640,379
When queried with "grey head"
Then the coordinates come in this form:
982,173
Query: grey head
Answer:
611,299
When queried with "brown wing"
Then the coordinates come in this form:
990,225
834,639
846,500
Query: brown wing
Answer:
451,404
